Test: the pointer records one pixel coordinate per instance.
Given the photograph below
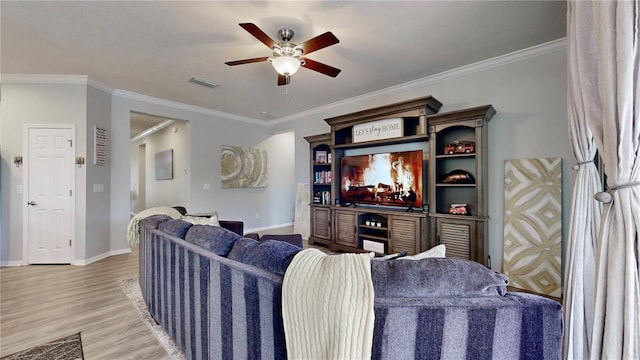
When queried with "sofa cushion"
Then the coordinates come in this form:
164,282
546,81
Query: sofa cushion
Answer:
270,255
175,227
254,236
435,277
214,238
237,226
295,239
155,220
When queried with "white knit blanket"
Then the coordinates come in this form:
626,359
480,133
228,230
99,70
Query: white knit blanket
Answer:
133,233
327,306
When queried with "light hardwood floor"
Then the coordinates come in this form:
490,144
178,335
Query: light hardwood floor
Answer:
40,303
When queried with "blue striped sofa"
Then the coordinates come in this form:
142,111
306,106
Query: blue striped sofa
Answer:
218,295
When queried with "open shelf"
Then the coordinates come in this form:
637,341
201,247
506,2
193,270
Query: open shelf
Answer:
458,207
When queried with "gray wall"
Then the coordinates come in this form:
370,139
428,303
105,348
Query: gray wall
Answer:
97,229
32,103
528,91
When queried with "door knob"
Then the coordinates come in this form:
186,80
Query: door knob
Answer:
32,203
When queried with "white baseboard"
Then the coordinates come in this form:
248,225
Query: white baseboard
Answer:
101,256
75,262
11,263
262,229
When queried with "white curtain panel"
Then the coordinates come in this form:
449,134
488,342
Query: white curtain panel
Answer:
584,223
604,38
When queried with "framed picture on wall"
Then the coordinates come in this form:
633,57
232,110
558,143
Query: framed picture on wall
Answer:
164,165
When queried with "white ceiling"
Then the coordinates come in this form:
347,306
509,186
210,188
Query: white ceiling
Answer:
154,48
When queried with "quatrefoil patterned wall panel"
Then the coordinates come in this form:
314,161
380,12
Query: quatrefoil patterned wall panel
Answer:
533,224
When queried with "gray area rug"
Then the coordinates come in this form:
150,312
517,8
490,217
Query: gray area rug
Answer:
67,348
131,288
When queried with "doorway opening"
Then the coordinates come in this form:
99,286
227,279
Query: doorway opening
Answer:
151,136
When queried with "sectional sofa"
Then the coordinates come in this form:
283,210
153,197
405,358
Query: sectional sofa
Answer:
219,295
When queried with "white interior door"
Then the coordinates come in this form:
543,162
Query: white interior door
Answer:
49,200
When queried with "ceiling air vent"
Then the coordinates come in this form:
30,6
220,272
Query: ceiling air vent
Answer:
203,82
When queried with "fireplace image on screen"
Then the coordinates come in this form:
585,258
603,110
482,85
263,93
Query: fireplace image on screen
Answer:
393,179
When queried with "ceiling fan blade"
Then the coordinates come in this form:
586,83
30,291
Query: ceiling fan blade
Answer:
247,61
321,68
283,80
259,34
318,42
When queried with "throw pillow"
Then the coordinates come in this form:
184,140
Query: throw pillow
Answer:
207,214
202,220
438,251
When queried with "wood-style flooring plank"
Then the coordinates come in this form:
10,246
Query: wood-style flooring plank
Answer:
41,303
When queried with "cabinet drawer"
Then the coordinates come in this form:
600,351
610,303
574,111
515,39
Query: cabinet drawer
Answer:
346,228
404,234
456,236
321,222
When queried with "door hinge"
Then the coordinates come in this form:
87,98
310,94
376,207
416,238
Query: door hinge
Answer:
69,242
70,192
70,143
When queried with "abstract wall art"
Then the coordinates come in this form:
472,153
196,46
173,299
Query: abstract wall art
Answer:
533,224
243,167
164,165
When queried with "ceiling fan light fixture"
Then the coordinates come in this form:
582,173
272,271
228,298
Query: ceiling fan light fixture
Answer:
286,65
288,57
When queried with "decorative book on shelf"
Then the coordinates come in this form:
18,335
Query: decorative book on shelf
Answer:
322,197
322,177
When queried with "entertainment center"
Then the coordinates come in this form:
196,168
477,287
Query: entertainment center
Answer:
382,181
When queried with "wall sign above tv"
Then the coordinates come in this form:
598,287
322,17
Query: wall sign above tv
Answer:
378,130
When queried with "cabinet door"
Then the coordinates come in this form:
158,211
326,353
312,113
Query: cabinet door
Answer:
346,228
404,234
458,236
321,222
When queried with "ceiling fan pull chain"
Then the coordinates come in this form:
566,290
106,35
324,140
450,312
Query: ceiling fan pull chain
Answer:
286,89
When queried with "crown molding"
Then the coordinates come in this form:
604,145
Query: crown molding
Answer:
185,107
100,86
45,79
55,79
520,55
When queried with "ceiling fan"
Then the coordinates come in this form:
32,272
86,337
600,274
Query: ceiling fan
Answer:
287,56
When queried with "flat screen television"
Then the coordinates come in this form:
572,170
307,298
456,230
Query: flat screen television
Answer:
392,179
